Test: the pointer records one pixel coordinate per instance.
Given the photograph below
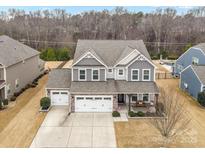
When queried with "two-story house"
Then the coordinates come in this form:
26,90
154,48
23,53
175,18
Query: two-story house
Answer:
193,56
19,66
104,74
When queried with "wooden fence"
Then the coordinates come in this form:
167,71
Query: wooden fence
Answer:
164,75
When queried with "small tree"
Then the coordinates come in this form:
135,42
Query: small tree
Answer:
201,98
175,119
45,103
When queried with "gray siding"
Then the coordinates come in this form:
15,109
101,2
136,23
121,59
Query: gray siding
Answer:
186,59
89,73
141,65
26,72
1,73
194,86
88,62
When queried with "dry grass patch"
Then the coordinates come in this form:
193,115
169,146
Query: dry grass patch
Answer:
140,133
52,64
20,122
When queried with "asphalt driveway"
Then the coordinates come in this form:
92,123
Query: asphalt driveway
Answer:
75,130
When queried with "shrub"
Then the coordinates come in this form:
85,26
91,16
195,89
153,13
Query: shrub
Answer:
201,98
16,94
1,104
132,114
115,114
140,114
13,98
45,103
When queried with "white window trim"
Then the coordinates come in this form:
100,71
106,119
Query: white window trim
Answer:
118,70
98,74
195,60
143,74
79,74
132,74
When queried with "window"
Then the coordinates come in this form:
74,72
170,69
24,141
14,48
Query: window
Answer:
107,98
95,74
146,75
64,93
82,74
8,88
80,98
195,60
110,70
55,93
89,98
17,83
135,74
120,72
134,98
98,98
145,97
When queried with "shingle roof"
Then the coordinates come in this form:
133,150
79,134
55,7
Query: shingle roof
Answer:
113,87
200,71
12,51
59,78
110,51
200,46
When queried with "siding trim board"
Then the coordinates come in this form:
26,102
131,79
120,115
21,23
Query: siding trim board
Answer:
194,73
88,52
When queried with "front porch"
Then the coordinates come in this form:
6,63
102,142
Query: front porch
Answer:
137,102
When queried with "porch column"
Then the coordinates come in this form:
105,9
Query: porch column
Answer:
129,96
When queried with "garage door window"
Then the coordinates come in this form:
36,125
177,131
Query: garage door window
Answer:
89,98
80,98
107,98
55,93
98,98
64,93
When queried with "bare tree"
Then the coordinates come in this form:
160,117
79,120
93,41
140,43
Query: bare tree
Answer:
175,119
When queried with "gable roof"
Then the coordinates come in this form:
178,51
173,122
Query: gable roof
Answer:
59,78
200,46
110,51
12,51
200,72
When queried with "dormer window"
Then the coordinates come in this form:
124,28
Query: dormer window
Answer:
110,70
120,72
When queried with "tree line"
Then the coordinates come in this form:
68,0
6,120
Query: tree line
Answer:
164,31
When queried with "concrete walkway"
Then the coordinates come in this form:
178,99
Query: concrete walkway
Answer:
75,130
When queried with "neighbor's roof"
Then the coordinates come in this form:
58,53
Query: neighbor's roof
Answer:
110,51
59,78
12,51
200,46
113,87
200,71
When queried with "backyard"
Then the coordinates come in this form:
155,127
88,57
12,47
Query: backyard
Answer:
19,122
140,133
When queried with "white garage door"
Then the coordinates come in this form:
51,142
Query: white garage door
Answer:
59,97
93,103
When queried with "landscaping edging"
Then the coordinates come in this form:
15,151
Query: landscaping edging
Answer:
157,117
41,110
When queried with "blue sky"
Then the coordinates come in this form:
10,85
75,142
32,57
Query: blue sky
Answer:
79,9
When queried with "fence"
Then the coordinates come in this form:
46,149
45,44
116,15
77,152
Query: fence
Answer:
164,75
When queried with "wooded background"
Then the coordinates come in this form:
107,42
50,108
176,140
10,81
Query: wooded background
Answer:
163,31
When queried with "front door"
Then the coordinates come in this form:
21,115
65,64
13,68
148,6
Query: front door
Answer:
120,98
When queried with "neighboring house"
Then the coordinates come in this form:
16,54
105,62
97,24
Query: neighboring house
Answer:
194,55
193,79
19,65
104,74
